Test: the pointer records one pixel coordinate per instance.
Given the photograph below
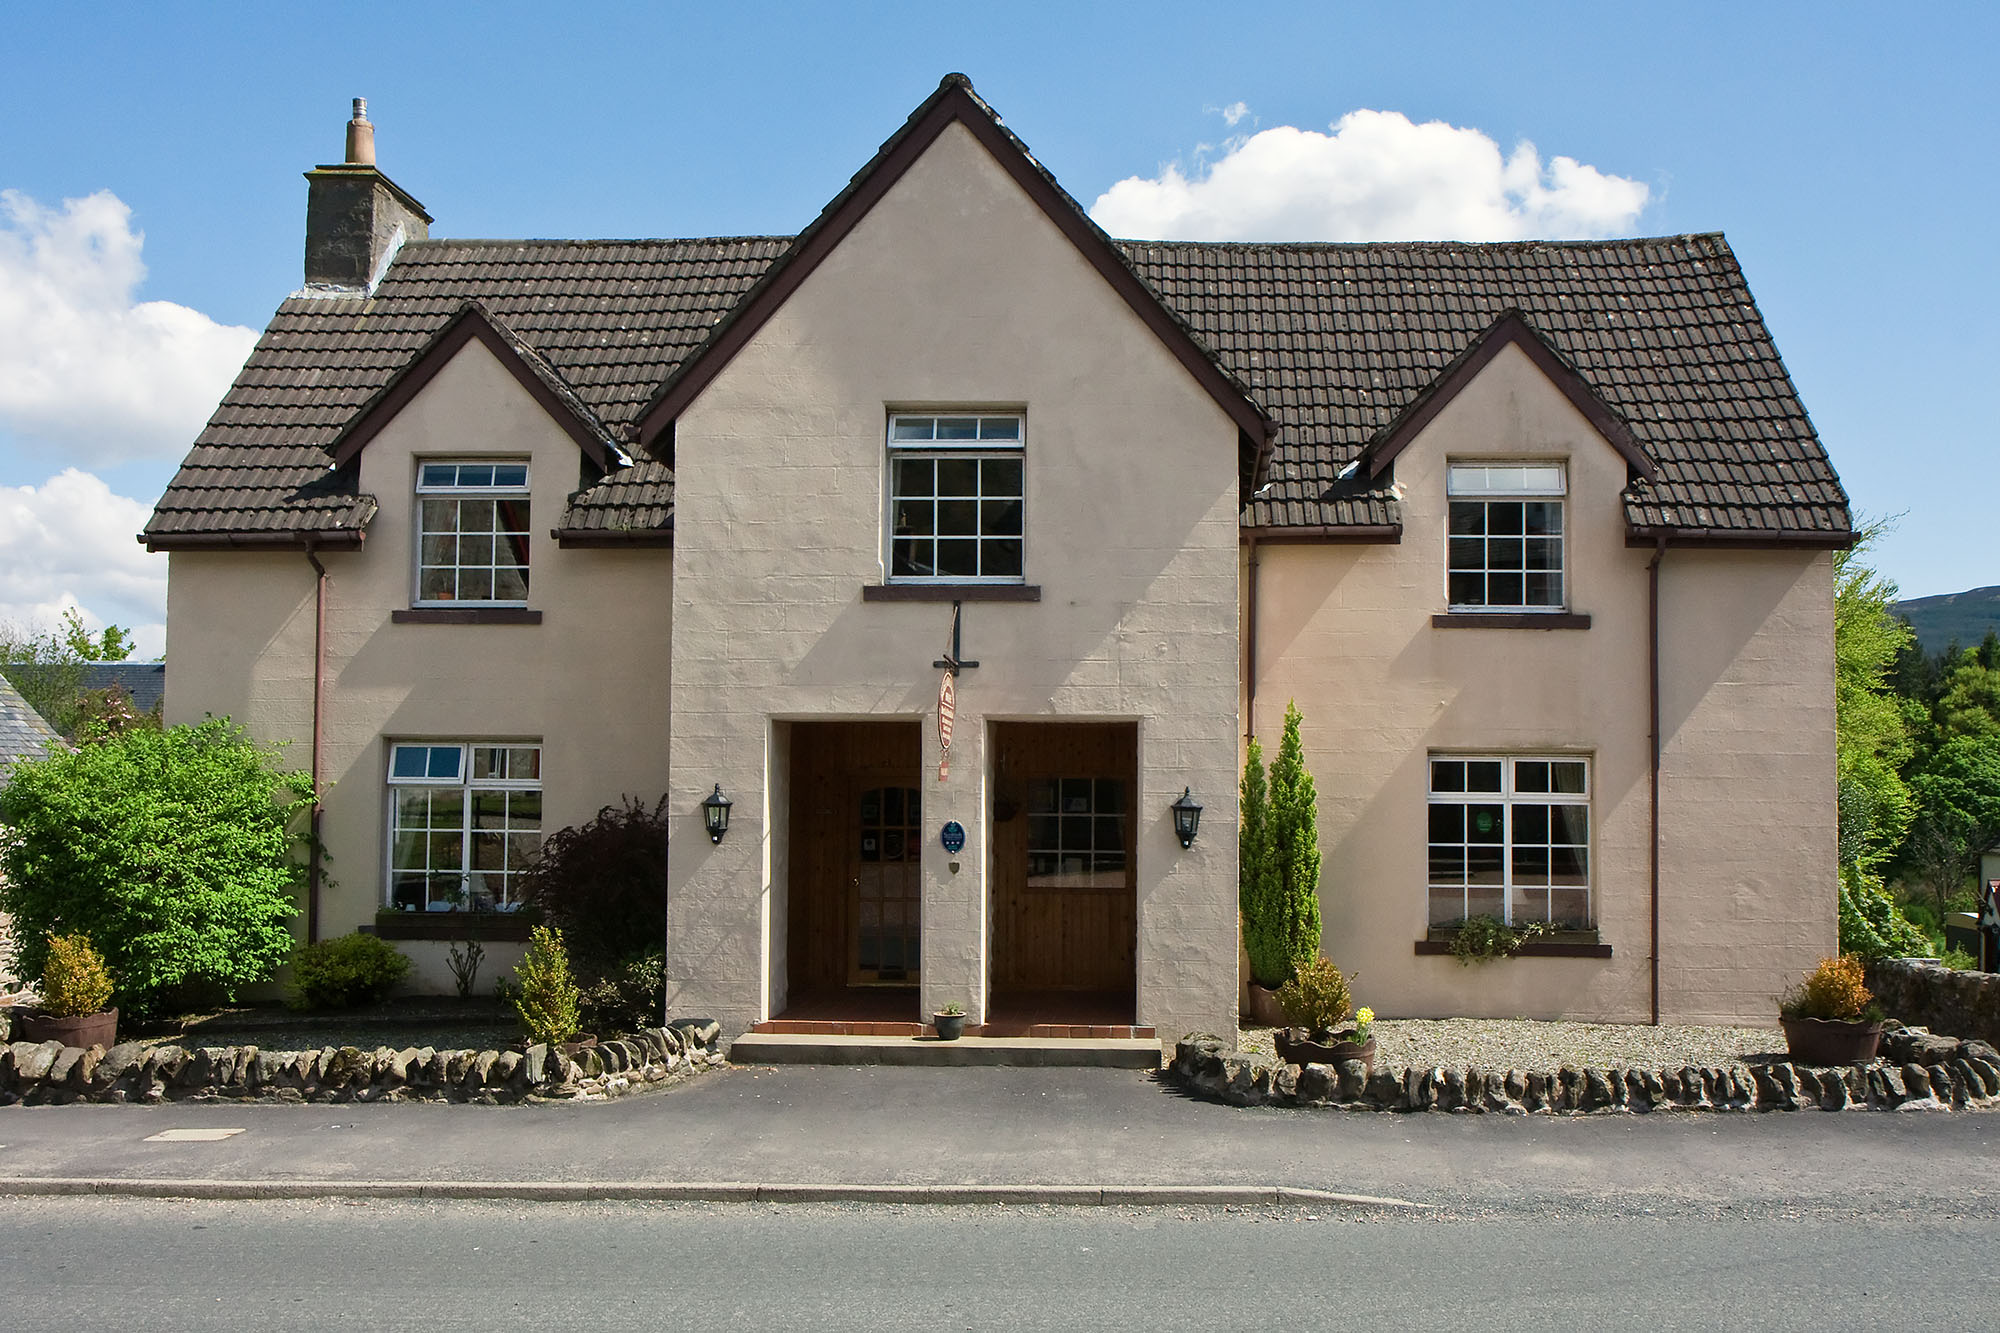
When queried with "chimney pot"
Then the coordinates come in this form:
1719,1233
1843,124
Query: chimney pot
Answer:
360,136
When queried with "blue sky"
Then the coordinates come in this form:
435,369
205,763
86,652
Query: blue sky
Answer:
1847,151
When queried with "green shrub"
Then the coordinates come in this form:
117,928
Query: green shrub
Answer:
548,1000
178,852
1870,924
1317,997
630,997
1835,990
1279,860
345,972
74,982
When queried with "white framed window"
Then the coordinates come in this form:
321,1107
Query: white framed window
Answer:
465,818
955,498
472,533
1510,838
1504,550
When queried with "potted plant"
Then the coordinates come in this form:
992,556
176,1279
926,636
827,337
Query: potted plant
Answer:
75,992
546,996
949,1022
1317,1000
1830,1018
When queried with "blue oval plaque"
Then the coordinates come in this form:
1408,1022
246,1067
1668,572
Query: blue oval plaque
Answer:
953,837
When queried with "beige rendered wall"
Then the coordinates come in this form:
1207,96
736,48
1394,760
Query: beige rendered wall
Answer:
590,682
954,291
1346,630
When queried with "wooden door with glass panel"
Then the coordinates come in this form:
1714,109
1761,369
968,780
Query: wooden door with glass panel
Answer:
885,882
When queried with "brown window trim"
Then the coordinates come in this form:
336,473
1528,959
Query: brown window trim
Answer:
1510,620
467,615
512,926
951,592
1529,949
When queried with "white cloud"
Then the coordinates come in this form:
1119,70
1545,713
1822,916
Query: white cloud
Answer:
70,542
1234,112
1377,176
87,372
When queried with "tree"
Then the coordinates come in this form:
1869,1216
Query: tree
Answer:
1257,879
1871,736
1295,844
47,667
1957,793
178,852
1969,703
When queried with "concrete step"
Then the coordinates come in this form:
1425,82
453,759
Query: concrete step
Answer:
788,1048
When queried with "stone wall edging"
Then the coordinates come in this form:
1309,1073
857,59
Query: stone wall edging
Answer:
1958,1083
1938,997
50,1073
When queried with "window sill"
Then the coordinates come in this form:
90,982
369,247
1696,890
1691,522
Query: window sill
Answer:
512,926
1569,944
1511,620
466,615
951,592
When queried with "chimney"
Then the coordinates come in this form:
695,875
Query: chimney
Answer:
356,218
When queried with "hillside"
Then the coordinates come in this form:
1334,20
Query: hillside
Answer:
1961,616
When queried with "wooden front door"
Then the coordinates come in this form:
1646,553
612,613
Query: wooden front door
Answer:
885,881
1065,911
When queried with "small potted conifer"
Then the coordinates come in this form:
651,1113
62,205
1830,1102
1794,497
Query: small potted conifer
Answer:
76,994
1830,1018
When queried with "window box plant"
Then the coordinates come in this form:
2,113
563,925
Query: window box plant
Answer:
1830,1018
76,994
1317,1001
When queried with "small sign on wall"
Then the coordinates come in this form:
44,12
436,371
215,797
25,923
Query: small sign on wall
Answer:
953,837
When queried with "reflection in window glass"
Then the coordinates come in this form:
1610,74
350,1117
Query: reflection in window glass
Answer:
1077,833
1510,838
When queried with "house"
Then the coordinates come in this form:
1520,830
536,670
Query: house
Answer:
952,543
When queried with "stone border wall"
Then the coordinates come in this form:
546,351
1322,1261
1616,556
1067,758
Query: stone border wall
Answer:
1957,1079
53,1074
1938,997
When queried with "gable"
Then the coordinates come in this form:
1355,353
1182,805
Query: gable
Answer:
954,104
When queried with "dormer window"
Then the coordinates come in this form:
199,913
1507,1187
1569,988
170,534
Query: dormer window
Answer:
472,533
1504,551
955,498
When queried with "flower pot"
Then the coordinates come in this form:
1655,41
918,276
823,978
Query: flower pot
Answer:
1825,1041
950,1027
99,1029
1265,1011
1296,1046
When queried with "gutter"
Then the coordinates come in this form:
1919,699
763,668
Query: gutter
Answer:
1653,765
308,542
318,741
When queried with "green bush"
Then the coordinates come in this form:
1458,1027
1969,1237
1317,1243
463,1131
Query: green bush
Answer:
345,972
178,852
547,1001
1317,997
627,998
603,884
1870,924
1279,860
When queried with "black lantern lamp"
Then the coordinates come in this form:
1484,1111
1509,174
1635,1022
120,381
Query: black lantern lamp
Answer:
715,813
1187,817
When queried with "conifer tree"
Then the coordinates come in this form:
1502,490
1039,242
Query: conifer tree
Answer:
1294,839
1257,879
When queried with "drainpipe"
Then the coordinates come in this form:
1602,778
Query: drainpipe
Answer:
318,738
1653,675
1250,646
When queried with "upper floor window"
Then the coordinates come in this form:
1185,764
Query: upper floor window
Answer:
1505,548
955,498
472,534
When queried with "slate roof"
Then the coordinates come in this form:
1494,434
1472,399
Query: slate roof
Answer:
23,733
144,683
1331,340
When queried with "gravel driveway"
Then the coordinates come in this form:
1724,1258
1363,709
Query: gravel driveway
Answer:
1531,1046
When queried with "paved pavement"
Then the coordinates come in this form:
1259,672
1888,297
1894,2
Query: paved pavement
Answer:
836,1132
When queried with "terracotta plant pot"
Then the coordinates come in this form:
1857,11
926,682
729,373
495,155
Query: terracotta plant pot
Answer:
86,1030
1265,1011
950,1027
1296,1046
1825,1041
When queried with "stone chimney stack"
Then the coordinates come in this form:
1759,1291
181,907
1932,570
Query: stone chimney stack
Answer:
356,218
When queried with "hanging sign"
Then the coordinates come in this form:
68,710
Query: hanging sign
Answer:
952,835
947,711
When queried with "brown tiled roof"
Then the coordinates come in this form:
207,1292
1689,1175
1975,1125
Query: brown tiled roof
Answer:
1335,340
1332,341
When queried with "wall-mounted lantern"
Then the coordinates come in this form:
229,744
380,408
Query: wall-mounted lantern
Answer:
715,813
1187,817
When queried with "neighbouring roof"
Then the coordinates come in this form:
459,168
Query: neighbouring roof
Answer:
23,733
144,683
1332,342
